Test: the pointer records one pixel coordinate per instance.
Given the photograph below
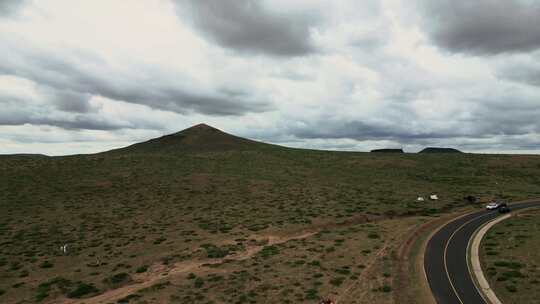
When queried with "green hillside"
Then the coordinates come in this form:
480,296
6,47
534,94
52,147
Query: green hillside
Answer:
202,193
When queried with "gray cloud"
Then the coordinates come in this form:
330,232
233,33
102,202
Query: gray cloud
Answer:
359,130
10,7
72,84
248,26
506,138
69,101
483,27
500,116
17,112
523,72
78,122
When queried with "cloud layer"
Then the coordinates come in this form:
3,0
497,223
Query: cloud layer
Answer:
10,7
347,75
250,27
484,27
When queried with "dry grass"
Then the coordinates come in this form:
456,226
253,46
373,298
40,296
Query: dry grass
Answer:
510,256
128,210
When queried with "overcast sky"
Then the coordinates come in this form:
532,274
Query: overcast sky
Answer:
87,76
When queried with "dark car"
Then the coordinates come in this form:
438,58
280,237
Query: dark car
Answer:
504,209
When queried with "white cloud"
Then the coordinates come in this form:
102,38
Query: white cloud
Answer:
99,74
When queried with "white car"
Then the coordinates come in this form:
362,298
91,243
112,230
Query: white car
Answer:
492,206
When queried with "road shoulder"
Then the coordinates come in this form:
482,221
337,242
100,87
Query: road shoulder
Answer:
475,267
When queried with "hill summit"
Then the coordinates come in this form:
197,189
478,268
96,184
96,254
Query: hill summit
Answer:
199,138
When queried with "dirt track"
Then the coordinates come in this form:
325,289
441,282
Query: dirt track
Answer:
159,272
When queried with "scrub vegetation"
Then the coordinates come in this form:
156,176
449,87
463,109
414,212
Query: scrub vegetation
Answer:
511,258
207,217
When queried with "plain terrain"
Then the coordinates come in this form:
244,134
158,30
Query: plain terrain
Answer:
207,217
510,255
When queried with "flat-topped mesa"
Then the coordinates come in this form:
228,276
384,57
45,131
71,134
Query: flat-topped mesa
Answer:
387,151
439,150
199,138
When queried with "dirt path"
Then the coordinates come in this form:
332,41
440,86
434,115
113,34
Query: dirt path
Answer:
159,272
346,292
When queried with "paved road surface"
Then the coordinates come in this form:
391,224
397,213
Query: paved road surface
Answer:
445,259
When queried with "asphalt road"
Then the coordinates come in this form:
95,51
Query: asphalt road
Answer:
445,259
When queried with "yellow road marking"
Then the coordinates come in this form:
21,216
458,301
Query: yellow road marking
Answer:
446,249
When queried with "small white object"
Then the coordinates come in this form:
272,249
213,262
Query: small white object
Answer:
433,197
420,199
492,206
64,248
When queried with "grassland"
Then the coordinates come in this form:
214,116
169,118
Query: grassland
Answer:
206,217
510,255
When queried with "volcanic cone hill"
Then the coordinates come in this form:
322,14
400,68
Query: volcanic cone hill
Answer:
199,138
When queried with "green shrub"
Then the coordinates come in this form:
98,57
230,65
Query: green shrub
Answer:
82,290
198,283
386,288
116,280
46,264
215,278
2,292
511,288
129,298
312,294
512,265
337,281
269,251
343,270
44,288
41,295
156,287
513,274
142,269
373,235
315,263
214,252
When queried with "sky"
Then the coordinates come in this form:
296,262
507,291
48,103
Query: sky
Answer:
88,76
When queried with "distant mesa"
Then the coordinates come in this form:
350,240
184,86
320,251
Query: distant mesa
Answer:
387,151
439,150
199,138
29,155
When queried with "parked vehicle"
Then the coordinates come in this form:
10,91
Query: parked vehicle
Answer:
504,209
492,206
496,205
